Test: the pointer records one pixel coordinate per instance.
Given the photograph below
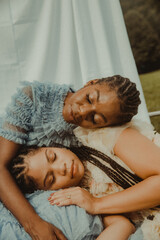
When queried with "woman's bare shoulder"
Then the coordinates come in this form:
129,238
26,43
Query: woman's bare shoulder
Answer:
138,152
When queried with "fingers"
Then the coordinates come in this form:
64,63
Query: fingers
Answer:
51,237
47,231
59,234
61,202
67,193
64,197
76,196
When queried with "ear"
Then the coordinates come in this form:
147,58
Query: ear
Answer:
91,82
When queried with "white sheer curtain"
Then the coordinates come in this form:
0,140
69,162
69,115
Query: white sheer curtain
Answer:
64,41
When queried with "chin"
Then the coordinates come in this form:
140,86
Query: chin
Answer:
89,127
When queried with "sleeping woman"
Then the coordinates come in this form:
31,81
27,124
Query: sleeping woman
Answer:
129,185
42,113
52,168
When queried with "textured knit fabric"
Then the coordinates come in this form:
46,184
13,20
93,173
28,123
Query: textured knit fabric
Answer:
104,140
34,116
73,221
99,184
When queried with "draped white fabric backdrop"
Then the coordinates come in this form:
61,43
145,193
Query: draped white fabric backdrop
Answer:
64,41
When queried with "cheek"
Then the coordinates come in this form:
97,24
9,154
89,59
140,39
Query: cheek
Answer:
63,183
79,98
86,124
72,182
77,181
79,176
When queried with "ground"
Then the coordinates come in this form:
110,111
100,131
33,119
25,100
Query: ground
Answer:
151,88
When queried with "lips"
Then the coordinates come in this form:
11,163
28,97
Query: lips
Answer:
72,169
77,119
72,118
74,112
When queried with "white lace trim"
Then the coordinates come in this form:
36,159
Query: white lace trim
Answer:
100,184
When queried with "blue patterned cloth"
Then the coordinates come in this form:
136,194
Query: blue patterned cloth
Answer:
73,221
34,116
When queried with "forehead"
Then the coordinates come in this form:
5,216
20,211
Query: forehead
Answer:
102,90
106,102
35,159
100,87
104,95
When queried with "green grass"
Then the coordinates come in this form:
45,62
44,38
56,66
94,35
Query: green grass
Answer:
151,88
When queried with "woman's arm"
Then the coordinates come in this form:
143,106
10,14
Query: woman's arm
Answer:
143,157
116,227
14,200
142,195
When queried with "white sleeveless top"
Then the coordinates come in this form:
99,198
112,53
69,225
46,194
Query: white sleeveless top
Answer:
99,184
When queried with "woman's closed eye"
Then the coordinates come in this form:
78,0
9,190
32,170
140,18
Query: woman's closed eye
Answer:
49,179
50,155
92,119
88,99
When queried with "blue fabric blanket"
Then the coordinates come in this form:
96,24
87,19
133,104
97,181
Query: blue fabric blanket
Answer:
73,221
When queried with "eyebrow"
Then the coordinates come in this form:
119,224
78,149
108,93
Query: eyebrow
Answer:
49,173
45,179
47,155
98,95
104,118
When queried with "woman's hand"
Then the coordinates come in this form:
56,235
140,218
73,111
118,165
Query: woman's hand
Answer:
74,195
44,230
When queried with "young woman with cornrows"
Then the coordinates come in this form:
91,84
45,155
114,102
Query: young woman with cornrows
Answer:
44,113
124,175
54,168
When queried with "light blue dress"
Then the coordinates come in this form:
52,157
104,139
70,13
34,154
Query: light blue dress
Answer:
36,114
73,221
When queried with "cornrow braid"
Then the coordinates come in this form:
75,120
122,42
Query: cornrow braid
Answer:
127,94
116,172
18,169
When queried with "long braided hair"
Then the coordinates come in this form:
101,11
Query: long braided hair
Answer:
19,168
127,93
116,172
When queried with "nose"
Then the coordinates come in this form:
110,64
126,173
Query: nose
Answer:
84,110
59,169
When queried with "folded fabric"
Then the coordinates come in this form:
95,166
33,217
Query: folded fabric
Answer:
73,221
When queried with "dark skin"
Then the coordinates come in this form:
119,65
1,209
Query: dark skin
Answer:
92,106
37,228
